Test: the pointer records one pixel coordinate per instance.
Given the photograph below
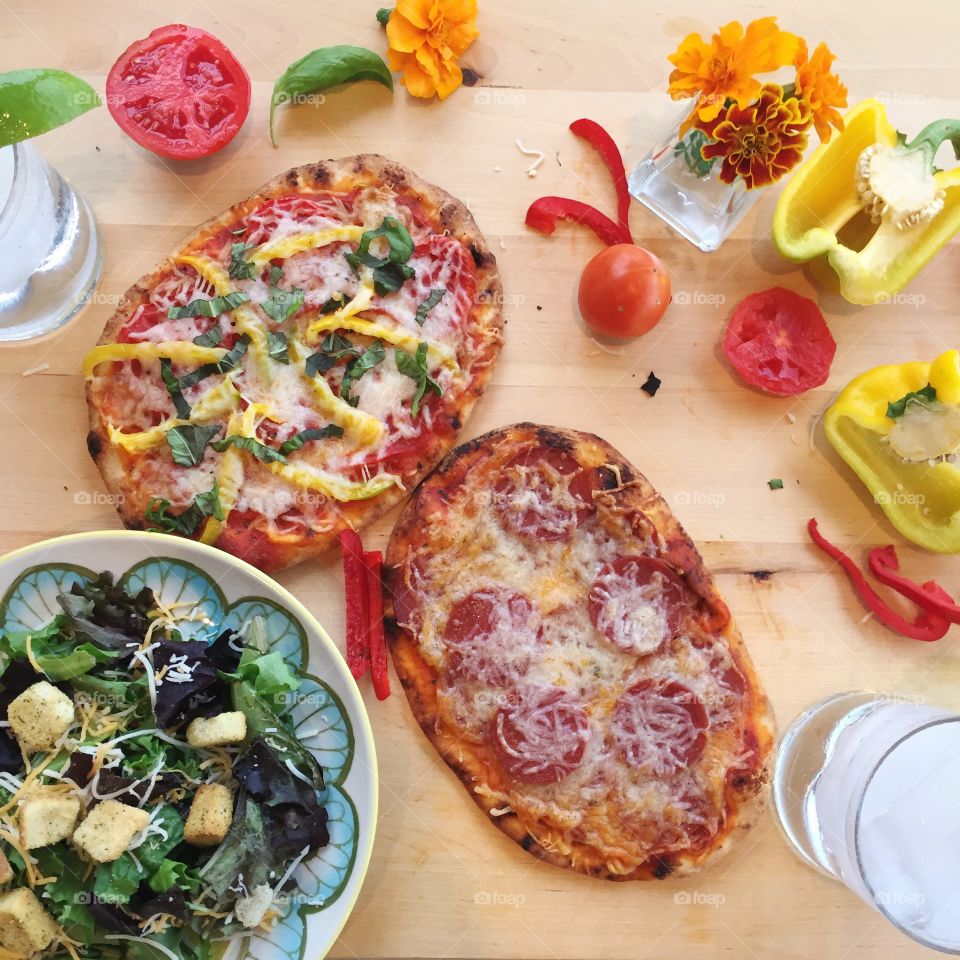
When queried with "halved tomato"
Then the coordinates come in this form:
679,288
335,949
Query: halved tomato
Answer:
179,92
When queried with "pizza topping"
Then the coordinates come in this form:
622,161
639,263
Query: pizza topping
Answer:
208,307
188,442
492,635
364,362
415,367
543,493
436,295
356,588
637,603
295,442
659,725
187,521
392,248
541,736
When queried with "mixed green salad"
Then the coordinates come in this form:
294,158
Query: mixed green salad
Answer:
143,699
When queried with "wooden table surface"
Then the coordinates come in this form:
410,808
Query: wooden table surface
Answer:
443,882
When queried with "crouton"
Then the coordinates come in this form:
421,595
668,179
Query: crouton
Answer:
217,731
210,815
40,716
25,927
47,816
6,871
108,829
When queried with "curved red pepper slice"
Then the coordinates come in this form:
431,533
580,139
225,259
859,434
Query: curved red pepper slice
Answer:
604,144
544,213
357,603
884,564
373,560
926,627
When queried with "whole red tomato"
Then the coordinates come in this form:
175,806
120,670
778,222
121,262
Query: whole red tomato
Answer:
624,291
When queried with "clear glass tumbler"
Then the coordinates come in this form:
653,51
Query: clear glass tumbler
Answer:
867,790
50,253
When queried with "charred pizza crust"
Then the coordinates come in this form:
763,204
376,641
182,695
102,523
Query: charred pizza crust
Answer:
450,217
622,488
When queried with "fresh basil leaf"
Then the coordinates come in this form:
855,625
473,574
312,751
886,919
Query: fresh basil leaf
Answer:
208,308
174,388
188,442
333,304
325,68
206,504
436,295
925,396
282,304
333,348
389,272
277,346
367,360
224,365
276,275
241,269
398,240
415,367
35,101
391,277
304,436
260,450
211,338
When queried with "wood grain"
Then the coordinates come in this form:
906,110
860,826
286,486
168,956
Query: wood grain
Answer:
442,881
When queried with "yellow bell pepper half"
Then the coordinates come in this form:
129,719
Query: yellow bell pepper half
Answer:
823,197
920,498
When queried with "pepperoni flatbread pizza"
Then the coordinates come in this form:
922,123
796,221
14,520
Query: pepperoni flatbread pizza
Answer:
298,363
569,656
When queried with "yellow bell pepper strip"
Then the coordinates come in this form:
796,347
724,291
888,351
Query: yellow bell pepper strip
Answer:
865,172
898,428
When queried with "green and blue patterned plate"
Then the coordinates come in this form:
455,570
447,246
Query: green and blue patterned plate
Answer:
329,714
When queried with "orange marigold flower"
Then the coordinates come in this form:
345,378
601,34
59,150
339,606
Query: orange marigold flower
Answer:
725,68
820,89
425,38
761,142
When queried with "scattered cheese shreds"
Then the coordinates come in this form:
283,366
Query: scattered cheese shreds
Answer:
539,154
39,368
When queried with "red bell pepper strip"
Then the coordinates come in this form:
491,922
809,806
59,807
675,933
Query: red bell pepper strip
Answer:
604,144
373,560
926,627
544,213
357,603
884,565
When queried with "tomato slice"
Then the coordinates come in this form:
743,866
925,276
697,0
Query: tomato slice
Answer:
779,342
179,92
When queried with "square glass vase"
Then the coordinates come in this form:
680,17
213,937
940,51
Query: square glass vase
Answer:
700,207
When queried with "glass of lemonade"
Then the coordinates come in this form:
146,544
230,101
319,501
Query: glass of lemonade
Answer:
50,253
867,790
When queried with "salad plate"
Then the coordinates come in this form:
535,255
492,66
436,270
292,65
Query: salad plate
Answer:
215,593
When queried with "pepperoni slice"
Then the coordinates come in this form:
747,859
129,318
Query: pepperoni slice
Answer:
544,493
541,736
660,726
637,603
492,635
407,594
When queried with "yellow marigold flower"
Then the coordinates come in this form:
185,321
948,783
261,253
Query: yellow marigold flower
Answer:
761,142
820,89
426,37
725,69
